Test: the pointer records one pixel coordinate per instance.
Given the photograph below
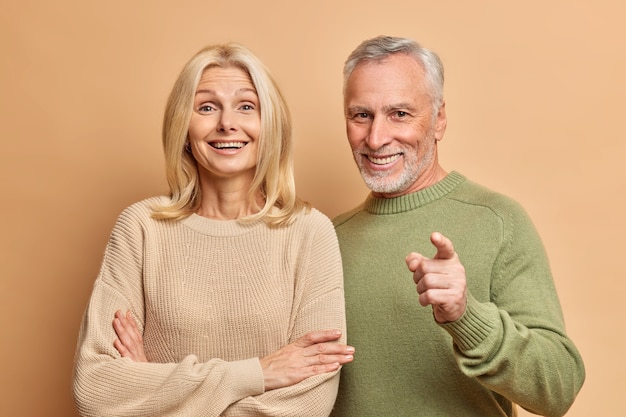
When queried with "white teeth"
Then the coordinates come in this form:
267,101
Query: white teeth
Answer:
222,145
383,161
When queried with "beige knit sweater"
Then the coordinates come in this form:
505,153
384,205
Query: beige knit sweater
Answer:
211,297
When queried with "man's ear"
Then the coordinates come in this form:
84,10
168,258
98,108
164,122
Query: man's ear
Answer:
441,122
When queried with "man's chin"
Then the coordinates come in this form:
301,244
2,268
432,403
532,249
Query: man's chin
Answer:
379,187
384,185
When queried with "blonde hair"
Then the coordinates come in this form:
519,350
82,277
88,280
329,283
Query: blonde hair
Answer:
274,178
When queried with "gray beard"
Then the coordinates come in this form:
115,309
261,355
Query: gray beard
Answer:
379,182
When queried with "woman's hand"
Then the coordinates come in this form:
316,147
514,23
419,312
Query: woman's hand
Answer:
129,342
313,354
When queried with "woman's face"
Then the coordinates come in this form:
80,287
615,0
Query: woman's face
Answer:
225,125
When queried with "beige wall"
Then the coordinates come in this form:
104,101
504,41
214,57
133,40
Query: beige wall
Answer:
535,95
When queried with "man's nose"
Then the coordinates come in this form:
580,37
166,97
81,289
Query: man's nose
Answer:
379,134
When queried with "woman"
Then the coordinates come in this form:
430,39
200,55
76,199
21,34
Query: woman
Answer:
231,278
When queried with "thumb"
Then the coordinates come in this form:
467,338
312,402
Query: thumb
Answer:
445,249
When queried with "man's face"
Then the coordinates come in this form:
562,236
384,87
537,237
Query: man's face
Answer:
391,126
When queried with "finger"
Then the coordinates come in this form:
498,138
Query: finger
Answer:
313,370
448,303
127,330
328,349
434,297
132,323
121,324
123,335
413,261
324,359
432,281
445,249
118,314
121,348
442,296
316,337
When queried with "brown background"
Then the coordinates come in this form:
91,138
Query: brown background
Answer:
535,98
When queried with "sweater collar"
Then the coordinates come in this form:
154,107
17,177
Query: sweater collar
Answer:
414,200
212,227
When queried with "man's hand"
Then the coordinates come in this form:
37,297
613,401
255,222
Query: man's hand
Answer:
313,354
129,342
440,281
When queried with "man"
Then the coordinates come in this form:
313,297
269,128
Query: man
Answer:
494,335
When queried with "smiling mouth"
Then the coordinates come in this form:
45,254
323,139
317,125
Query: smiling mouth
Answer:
228,145
383,160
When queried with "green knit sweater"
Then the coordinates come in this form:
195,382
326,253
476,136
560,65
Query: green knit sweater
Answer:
509,347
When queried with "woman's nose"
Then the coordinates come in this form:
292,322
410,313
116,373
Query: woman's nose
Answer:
227,121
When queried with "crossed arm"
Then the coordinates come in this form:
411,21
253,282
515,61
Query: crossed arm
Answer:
313,354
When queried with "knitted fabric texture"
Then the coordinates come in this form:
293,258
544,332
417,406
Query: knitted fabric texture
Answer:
211,298
509,347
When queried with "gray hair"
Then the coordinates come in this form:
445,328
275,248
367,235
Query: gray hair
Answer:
380,47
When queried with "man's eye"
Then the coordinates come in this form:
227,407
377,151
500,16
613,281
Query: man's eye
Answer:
361,116
401,113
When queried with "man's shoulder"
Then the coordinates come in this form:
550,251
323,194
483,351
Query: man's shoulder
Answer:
473,193
346,216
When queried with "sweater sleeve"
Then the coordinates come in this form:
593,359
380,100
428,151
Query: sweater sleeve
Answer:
516,345
318,305
105,384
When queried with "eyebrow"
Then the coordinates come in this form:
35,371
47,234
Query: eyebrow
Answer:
398,106
385,109
358,109
238,92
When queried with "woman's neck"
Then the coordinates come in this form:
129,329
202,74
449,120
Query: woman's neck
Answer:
226,200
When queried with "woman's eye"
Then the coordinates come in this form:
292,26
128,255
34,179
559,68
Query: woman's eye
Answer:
247,107
205,108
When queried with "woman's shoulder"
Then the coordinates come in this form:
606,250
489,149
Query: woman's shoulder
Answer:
312,224
313,216
143,209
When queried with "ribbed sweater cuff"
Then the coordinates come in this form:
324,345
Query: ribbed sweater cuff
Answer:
248,377
478,323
